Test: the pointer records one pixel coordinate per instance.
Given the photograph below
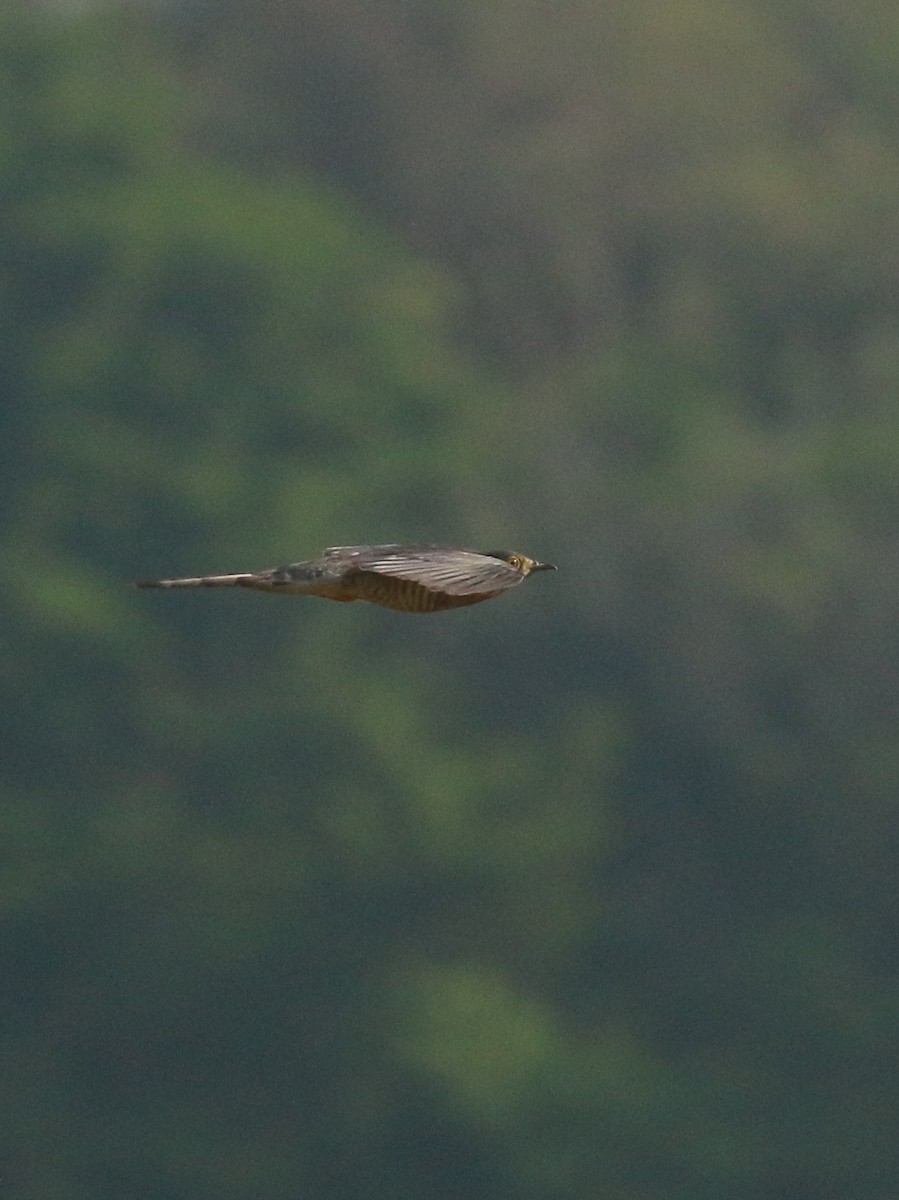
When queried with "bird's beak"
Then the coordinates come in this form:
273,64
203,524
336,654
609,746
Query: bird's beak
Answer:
544,567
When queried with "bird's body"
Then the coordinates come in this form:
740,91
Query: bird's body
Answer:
406,578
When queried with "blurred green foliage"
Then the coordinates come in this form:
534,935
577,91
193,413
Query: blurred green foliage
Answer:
588,892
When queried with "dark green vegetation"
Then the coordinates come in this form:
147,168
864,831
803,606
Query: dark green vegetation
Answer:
586,893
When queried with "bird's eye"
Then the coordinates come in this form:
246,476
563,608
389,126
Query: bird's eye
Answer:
513,560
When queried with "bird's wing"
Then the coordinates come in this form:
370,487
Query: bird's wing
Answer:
453,572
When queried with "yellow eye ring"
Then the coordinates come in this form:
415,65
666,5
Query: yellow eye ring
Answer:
514,561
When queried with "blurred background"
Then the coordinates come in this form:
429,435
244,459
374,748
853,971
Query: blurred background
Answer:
587,892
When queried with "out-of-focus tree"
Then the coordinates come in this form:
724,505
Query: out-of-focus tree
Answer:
589,891
672,227
243,843
591,169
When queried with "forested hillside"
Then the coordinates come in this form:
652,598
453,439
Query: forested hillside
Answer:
585,892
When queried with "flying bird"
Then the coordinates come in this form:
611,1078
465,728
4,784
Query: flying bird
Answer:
406,578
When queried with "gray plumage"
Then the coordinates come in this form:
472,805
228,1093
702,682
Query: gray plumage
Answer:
406,578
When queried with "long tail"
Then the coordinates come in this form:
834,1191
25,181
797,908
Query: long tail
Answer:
245,580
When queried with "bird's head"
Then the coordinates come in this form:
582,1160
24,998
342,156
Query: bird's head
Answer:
520,562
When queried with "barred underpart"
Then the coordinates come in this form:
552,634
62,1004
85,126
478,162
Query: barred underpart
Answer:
406,596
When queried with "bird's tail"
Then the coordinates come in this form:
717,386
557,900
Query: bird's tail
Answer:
245,580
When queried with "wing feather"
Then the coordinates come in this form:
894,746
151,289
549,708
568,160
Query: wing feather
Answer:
453,572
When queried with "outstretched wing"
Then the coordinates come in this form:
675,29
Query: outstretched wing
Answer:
452,572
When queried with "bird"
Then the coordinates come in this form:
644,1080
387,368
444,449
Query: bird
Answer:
419,579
